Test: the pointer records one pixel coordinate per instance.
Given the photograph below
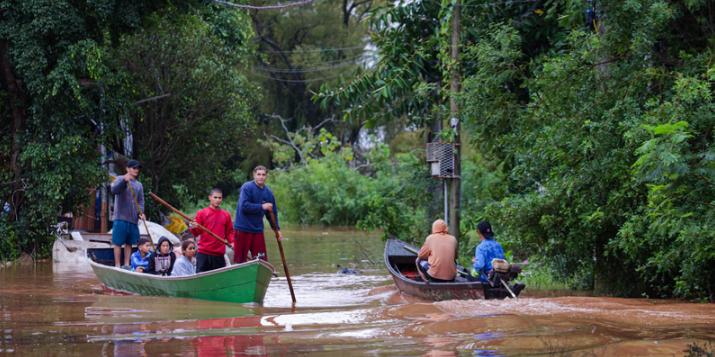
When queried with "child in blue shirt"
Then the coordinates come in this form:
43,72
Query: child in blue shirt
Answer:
140,258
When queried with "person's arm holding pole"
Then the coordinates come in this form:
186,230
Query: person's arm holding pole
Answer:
273,211
141,214
187,218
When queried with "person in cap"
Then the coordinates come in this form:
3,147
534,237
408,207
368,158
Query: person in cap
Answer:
125,229
440,251
487,250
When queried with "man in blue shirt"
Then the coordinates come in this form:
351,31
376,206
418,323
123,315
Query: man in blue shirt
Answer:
487,250
128,193
255,201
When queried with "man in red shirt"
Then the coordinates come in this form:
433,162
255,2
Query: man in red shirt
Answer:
211,250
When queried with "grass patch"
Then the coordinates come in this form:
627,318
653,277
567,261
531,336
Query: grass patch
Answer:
539,277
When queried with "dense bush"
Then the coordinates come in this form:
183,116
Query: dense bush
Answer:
605,141
329,191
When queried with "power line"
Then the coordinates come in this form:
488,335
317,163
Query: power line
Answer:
305,70
506,2
341,60
322,65
492,4
325,49
266,7
310,80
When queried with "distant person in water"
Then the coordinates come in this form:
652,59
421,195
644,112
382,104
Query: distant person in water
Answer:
217,220
346,271
140,258
161,261
255,201
487,250
186,264
125,231
440,251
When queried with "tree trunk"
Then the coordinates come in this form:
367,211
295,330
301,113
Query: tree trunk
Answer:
17,101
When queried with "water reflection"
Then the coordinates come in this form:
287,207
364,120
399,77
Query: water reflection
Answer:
229,337
68,312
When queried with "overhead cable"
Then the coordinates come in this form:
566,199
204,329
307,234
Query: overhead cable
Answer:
308,80
265,7
305,70
325,49
494,3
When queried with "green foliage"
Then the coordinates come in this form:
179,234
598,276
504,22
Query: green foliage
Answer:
54,105
404,82
329,191
603,144
593,148
538,276
9,243
671,236
303,48
192,133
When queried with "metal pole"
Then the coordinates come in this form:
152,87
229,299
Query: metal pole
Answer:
446,201
455,84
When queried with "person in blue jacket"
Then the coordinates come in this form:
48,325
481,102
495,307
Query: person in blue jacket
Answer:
140,258
487,250
255,201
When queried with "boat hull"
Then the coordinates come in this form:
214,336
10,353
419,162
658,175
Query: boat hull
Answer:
400,262
240,283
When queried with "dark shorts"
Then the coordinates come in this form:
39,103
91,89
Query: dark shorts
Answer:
205,262
124,232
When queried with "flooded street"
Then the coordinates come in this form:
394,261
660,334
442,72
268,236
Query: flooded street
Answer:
49,310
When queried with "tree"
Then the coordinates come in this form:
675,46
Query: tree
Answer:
579,127
593,135
53,76
195,111
303,48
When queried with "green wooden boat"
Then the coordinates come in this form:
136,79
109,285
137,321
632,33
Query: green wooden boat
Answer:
241,283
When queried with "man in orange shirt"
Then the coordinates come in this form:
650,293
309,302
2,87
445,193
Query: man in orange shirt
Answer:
440,250
211,250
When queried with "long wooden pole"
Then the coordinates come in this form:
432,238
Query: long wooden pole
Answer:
184,216
139,209
283,257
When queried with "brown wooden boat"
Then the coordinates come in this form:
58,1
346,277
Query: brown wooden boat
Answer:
400,260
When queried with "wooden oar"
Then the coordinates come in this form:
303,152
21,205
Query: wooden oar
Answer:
283,257
139,209
189,219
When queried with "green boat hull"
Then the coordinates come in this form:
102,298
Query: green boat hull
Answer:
240,283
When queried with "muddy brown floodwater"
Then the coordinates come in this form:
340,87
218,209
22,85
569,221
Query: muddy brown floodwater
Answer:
56,310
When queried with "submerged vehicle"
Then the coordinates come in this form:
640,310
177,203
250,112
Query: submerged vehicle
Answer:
69,251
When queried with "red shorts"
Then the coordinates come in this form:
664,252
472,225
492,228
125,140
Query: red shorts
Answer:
245,242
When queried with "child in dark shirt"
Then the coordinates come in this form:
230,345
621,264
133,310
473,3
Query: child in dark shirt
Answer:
161,262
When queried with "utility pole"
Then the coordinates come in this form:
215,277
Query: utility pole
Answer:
454,122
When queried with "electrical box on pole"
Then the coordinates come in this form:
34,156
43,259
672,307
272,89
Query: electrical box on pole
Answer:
441,158
442,161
